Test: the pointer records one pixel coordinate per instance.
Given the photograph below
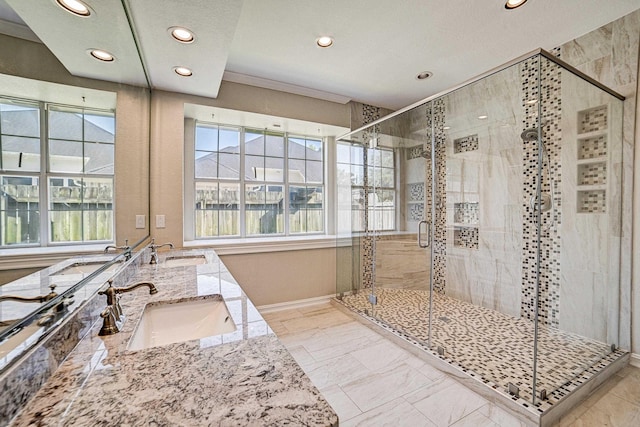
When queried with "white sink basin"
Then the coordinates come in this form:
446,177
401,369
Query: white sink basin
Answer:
83,268
185,261
167,323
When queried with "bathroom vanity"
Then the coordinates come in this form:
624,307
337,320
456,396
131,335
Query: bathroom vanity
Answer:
241,375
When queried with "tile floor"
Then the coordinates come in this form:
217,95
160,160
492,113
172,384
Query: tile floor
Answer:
370,381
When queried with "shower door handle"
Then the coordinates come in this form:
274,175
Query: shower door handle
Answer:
420,234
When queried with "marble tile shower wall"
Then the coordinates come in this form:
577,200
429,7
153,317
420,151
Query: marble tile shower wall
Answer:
21,381
609,54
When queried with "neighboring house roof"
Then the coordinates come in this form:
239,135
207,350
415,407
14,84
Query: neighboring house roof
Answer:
228,161
19,125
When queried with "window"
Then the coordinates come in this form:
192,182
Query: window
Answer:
76,203
380,190
251,182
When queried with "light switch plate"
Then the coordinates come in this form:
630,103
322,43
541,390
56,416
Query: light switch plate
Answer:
160,221
140,222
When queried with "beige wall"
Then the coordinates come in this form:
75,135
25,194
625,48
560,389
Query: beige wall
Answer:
276,277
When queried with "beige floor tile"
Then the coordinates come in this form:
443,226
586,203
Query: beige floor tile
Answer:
330,349
500,416
384,355
379,388
449,404
594,417
302,356
314,309
617,411
281,315
321,320
337,371
340,402
475,419
302,337
397,413
628,389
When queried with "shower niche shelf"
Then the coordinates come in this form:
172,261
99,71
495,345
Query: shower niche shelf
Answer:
465,225
591,162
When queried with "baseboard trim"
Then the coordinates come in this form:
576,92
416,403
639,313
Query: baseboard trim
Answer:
635,360
288,305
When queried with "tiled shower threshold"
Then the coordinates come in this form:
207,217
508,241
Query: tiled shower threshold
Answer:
485,350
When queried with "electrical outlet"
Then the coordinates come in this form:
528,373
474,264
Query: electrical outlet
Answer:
140,222
160,221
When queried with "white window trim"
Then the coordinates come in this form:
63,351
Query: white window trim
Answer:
45,245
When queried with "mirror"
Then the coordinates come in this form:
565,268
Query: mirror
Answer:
62,197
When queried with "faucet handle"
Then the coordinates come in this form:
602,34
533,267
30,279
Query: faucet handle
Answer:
109,325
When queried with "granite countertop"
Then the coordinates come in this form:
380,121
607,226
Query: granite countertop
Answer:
246,377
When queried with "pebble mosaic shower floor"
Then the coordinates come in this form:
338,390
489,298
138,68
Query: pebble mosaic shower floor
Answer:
494,347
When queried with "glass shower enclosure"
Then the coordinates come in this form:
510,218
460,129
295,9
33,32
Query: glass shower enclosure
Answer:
484,224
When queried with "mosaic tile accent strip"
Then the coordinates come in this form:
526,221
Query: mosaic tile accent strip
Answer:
467,143
415,152
590,148
534,70
370,113
435,123
489,345
416,212
593,201
593,120
415,192
466,213
592,173
465,237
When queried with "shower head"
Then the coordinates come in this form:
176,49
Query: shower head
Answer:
529,135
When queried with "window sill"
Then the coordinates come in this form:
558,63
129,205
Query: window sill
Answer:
17,258
264,244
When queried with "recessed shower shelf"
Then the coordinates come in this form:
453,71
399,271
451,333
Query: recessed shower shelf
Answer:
592,134
592,160
592,187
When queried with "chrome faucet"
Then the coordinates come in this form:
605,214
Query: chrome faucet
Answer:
125,248
112,314
154,253
40,298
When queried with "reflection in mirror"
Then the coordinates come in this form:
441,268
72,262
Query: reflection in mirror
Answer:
64,138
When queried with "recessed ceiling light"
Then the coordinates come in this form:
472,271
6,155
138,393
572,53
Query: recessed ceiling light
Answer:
181,34
483,117
446,127
324,41
183,71
424,75
102,55
512,4
532,101
74,6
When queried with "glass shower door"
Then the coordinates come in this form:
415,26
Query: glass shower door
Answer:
398,165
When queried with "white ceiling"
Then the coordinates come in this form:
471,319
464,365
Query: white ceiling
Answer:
380,45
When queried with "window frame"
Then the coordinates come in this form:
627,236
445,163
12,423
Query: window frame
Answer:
191,182
370,187
44,176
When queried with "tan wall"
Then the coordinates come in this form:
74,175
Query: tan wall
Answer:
7,276
276,277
